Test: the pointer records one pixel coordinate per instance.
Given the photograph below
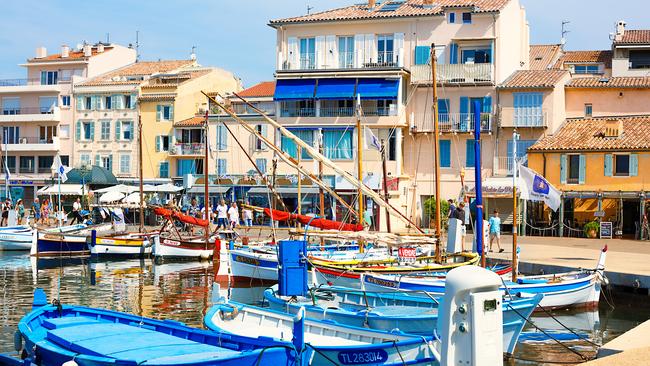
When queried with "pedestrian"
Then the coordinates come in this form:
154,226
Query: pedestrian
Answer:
6,206
36,211
233,215
45,212
20,211
459,214
222,214
494,223
76,212
452,208
194,212
248,216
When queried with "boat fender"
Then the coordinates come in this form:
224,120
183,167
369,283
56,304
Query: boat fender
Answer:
228,311
18,341
70,363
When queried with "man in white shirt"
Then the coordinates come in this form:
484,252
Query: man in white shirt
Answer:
222,214
248,216
76,212
233,215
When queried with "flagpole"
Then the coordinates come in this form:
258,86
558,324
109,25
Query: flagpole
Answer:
515,137
360,168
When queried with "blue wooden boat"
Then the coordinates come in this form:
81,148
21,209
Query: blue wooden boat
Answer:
393,310
326,342
69,243
54,334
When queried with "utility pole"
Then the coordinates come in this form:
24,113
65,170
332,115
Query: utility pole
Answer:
564,33
436,149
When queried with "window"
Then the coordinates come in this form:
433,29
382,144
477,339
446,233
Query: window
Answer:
621,165
117,101
586,69
106,163
451,17
467,18
259,144
162,143
126,130
106,130
445,153
65,100
49,77
261,165
385,107
164,112
65,160
46,134
528,109
470,160
10,134
392,145
476,56
11,163
189,166
308,53
337,144
289,146
589,110
127,102
47,104
88,103
298,108
422,55
125,164
84,159
108,102
574,169
346,52
222,167
522,153
222,137
26,164
11,106
163,169
45,164
88,131
640,59
385,44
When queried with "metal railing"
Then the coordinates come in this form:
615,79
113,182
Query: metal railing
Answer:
24,169
190,148
524,117
30,81
452,122
307,61
297,112
10,111
242,109
336,112
453,73
345,60
42,170
28,140
504,165
379,111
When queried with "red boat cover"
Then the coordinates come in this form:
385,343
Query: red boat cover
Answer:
315,222
170,214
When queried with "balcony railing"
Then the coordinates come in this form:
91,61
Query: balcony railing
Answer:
298,112
191,148
379,111
241,109
336,112
29,140
345,60
524,117
452,122
453,73
10,111
29,82
26,170
504,165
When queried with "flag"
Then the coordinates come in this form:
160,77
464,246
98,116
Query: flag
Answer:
534,187
7,175
371,141
61,169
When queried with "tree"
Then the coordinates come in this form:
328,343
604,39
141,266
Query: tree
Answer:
430,210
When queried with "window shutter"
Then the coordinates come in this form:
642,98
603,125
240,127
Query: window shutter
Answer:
331,52
158,113
583,169
609,159
171,113
265,131
97,160
487,104
133,101
80,103
422,55
453,53
131,130
43,77
634,165
110,163
92,131
158,144
398,49
464,114
445,153
358,50
563,172
469,153
292,53
118,132
491,51
321,51
100,103
77,131
370,48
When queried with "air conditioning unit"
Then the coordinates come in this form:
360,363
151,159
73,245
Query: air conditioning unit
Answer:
173,149
23,140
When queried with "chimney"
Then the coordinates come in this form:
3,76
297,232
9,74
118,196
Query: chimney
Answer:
371,4
88,50
41,52
620,30
100,47
65,51
613,128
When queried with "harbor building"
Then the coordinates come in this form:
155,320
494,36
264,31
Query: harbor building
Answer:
106,117
37,118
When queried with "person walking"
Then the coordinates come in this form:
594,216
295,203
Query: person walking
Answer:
495,229
36,211
20,211
45,212
6,206
459,214
452,208
233,215
248,216
222,214
76,212
194,212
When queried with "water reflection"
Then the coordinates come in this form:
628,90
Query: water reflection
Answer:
182,292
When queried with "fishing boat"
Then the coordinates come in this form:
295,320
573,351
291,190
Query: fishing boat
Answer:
16,237
560,290
393,310
185,248
327,342
56,334
131,245
68,243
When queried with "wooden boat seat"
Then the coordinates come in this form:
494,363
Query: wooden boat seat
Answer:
93,337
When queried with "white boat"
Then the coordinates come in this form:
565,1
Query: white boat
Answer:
183,249
20,237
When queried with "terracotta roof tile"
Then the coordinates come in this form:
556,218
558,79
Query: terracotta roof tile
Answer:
128,74
410,8
263,89
612,82
543,56
72,56
155,97
196,121
589,135
635,36
538,79
593,56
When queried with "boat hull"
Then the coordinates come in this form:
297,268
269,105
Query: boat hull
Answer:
122,246
182,249
245,265
49,245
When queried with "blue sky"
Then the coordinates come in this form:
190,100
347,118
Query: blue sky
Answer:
234,34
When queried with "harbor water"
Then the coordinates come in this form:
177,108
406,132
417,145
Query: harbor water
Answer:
182,292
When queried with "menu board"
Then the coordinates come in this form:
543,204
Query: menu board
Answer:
606,230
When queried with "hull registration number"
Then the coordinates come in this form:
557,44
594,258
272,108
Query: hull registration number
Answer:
363,357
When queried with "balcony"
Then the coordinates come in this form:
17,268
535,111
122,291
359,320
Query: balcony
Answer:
297,112
451,122
336,112
29,85
343,61
187,149
33,144
524,117
503,165
243,110
454,74
30,114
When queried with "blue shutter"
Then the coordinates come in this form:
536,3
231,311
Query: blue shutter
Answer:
80,103
133,100
422,55
464,114
118,132
487,104
509,157
158,112
445,153
491,52
158,143
583,170
563,166
97,160
171,113
110,163
453,53
452,18
469,154
92,130
634,165
608,165
78,131
443,112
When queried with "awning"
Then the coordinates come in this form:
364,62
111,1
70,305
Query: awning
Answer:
211,189
112,196
294,89
66,190
285,190
378,88
163,188
122,188
335,88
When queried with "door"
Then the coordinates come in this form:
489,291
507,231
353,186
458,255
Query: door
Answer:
631,212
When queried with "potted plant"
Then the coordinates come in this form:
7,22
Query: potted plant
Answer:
591,229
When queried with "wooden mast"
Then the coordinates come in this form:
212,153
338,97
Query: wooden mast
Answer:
360,169
321,193
205,181
385,181
436,149
515,137
141,175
